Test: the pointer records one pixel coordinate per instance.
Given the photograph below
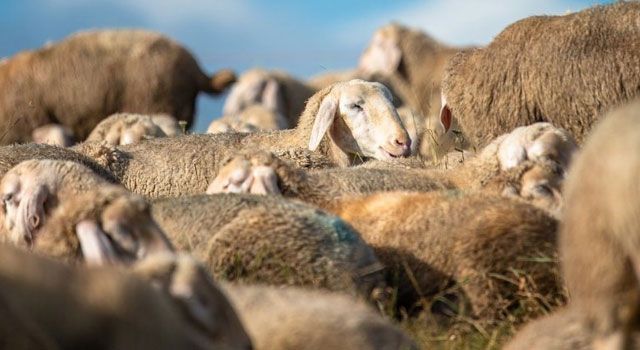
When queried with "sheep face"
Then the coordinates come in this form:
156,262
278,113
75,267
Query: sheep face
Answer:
125,231
255,87
53,134
23,205
241,175
362,120
383,55
135,132
206,308
222,126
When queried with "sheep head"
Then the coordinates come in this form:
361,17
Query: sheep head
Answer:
63,209
225,124
247,173
205,306
53,134
360,119
255,87
383,55
131,129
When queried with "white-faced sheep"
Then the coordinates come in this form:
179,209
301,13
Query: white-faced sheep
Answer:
82,79
57,306
562,69
599,239
53,134
256,117
530,168
128,128
341,125
275,90
63,209
293,318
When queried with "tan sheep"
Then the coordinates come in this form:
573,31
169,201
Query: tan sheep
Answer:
63,209
252,118
128,128
341,125
528,164
293,318
276,90
13,155
266,239
64,307
53,134
498,251
562,69
78,81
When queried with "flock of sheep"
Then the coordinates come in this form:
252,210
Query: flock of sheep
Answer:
495,185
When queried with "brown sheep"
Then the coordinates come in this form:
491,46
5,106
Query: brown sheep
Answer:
528,164
64,307
128,128
341,125
63,209
498,251
84,78
266,239
53,134
293,318
566,70
275,90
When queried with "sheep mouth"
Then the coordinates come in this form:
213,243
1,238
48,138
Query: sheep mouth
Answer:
390,155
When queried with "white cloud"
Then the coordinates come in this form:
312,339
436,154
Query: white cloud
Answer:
460,22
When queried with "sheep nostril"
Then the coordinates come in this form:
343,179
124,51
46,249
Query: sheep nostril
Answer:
34,221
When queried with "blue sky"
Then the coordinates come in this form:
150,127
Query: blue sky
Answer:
299,36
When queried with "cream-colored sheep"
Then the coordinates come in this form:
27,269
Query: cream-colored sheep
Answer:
293,318
53,134
252,118
63,209
128,128
341,125
276,90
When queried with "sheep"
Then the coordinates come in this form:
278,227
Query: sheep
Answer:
12,155
62,209
53,134
341,125
253,118
481,242
267,239
562,69
78,81
128,128
295,318
528,164
276,90
417,60
68,307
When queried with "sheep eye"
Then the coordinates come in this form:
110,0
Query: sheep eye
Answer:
355,107
542,190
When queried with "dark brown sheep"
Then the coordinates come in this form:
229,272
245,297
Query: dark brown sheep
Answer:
562,69
90,75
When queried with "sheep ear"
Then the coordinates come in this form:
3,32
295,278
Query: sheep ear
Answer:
96,248
445,117
324,119
272,96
